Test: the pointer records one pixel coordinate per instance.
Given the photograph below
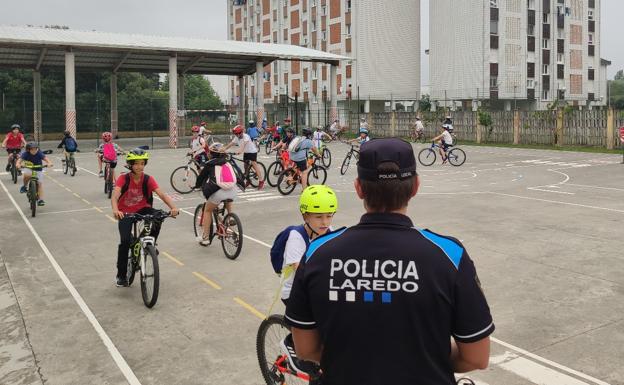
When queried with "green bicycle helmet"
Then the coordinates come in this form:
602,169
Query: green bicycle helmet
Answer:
318,199
137,154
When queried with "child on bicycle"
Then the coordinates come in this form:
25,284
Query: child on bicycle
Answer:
215,191
68,144
418,129
13,142
363,138
298,152
129,197
203,130
198,146
252,131
33,157
445,140
250,153
317,205
318,137
107,152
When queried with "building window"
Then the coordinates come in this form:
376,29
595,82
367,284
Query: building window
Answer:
348,29
590,74
546,18
560,58
544,94
531,30
591,38
590,14
494,27
531,4
545,70
348,5
530,83
545,43
323,35
493,81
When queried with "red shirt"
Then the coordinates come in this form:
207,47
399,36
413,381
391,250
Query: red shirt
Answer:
133,200
14,141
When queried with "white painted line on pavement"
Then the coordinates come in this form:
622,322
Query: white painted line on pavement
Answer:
559,202
89,171
596,187
550,191
538,374
110,346
266,198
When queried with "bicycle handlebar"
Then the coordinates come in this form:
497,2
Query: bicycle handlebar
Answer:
159,215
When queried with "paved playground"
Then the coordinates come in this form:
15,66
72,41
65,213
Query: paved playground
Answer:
543,227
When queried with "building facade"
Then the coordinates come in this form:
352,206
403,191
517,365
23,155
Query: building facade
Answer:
524,54
383,38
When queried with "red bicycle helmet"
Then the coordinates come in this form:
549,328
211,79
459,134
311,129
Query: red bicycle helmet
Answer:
107,136
237,130
195,129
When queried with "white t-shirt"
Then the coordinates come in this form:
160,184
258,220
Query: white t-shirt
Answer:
197,146
247,143
419,126
317,138
202,130
447,137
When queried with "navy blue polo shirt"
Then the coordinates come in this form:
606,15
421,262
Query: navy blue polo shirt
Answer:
386,299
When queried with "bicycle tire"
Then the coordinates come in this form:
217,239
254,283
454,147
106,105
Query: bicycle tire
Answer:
317,175
66,166
181,182
326,157
14,173
151,257
282,182
32,197
427,156
251,176
273,173
456,157
267,147
268,351
131,267
73,169
234,236
109,183
197,226
345,164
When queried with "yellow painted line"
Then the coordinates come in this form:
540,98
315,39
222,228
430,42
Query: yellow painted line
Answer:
111,218
174,259
251,309
203,278
98,209
77,196
86,201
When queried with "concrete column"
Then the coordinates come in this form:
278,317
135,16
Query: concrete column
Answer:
37,105
70,93
516,127
181,106
333,89
114,111
173,101
259,93
610,128
241,101
393,124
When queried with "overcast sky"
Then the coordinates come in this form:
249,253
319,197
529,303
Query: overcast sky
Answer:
208,19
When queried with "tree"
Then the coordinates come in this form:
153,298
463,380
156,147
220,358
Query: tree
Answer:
425,103
198,93
619,75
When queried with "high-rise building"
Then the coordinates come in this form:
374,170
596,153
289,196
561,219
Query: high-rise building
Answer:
516,53
382,37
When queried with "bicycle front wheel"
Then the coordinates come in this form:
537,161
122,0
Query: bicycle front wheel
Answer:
32,197
317,175
72,166
252,176
345,164
287,182
232,239
183,179
267,147
150,277
131,267
273,173
271,332
66,166
198,218
14,173
327,158
109,183
427,157
456,157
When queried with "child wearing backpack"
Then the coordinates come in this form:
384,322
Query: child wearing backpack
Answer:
217,181
68,144
107,152
133,194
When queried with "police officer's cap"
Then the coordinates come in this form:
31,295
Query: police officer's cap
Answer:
378,151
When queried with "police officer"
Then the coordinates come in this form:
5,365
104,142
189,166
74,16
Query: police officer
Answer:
383,302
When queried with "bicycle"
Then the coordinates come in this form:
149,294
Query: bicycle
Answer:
417,136
266,141
326,156
250,175
183,178
109,183
273,362
69,165
14,153
347,160
276,168
226,227
143,255
289,178
32,193
455,155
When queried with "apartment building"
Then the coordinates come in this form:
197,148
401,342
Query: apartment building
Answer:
383,38
516,53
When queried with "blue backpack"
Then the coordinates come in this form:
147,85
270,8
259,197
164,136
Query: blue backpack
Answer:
70,144
279,246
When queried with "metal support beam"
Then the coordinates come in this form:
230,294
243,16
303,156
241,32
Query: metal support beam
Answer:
259,93
191,64
37,105
241,101
114,112
70,93
121,61
181,106
42,55
173,101
333,89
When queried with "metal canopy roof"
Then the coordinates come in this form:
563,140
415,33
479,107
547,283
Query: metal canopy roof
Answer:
29,47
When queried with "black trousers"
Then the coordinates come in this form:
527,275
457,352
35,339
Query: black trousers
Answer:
125,237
